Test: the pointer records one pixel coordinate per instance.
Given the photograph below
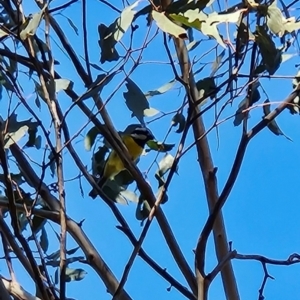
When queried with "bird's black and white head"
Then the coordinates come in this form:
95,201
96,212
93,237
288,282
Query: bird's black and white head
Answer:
142,135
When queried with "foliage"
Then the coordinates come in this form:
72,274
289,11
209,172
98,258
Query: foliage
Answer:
58,110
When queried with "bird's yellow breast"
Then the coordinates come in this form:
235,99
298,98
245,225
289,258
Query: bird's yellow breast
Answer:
114,164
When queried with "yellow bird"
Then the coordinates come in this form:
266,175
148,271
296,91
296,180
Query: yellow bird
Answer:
135,143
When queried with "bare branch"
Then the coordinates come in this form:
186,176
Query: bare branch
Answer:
92,256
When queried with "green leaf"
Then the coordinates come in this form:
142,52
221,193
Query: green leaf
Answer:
286,57
74,274
39,45
109,36
291,25
44,242
31,24
73,250
182,6
39,90
37,102
73,25
275,19
63,84
37,224
137,102
38,142
158,146
56,263
113,190
56,276
242,38
179,120
150,112
130,196
217,63
207,86
16,177
161,90
207,24
90,138
32,137
14,137
271,56
185,20
17,129
97,86
98,160
122,24
54,256
3,33
166,25
239,115
52,164
165,165
142,209
5,81
107,45
273,124
193,45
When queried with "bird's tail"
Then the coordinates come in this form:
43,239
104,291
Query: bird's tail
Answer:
101,182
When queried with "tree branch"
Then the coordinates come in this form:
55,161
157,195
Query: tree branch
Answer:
92,256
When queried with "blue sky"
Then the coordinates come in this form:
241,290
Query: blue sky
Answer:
262,214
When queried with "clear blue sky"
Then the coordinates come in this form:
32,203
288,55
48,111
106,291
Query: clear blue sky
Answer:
262,214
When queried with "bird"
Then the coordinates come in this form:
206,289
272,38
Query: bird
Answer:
135,143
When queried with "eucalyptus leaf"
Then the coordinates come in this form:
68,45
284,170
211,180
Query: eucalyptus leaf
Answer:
44,242
130,196
137,102
56,262
124,21
14,137
38,224
207,86
272,125
179,120
239,115
56,276
291,25
98,160
107,45
217,63
161,90
193,45
17,129
73,26
62,84
74,274
90,138
3,33
207,24
97,86
165,165
109,36
166,25
271,56
142,210
31,25
275,19
52,163
158,146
